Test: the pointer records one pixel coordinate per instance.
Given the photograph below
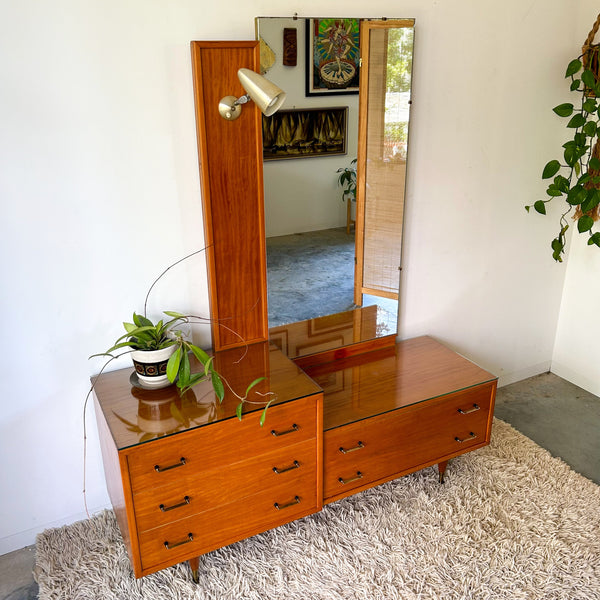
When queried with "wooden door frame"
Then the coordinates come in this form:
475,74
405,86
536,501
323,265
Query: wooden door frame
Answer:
366,26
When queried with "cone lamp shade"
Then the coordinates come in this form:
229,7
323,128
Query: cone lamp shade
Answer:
265,94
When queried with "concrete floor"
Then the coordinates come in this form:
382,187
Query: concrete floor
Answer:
556,414
16,579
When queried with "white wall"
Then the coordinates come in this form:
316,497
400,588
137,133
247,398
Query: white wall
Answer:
575,355
100,192
302,194
476,269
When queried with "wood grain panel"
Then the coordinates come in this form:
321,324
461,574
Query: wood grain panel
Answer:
220,445
215,487
230,154
226,524
402,440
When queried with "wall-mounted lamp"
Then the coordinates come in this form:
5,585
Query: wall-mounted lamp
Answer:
266,95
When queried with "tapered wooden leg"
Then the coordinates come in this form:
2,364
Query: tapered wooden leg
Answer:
442,469
195,567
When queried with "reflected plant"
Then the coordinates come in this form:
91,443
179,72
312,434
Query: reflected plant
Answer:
347,181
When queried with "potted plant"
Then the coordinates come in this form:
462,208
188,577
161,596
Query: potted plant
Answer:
347,181
576,177
160,354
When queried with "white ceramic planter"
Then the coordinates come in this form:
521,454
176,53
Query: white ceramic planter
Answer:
151,366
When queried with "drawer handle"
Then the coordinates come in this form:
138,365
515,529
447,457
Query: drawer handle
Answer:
186,500
358,476
190,538
295,501
278,433
160,469
359,446
295,465
475,408
472,436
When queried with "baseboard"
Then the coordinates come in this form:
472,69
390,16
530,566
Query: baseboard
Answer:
26,538
515,376
589,385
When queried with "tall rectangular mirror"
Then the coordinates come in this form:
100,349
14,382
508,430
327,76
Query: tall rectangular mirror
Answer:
332,248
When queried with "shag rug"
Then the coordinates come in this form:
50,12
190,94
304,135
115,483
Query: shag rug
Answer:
511,522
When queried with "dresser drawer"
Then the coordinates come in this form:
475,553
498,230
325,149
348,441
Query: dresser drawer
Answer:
162,462
223,525
446,427
274,471
359,453
405,439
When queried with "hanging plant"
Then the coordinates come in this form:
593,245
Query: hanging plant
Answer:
576,178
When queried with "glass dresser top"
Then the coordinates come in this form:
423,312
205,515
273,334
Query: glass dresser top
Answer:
135,415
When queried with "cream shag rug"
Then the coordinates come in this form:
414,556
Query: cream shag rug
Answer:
511,522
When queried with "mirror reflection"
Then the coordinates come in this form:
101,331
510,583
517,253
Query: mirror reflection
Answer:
323,255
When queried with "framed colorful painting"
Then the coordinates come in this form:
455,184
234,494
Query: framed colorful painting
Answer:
332,56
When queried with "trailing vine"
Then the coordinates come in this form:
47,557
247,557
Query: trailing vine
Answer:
576,177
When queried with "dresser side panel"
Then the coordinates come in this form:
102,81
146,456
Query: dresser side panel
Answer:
119,489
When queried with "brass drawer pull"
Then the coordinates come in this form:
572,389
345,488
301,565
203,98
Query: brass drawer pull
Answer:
278,433
295,465
160,469
351,479
359,446
190,538
163,508
472,436
475,408
295,501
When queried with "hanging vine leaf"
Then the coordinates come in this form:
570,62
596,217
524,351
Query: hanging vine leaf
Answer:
578,120
564,110
576,195
594,239
557,249
577,179
551,169
588,78
590,105
592,199
573,67
585,223
590,128
562,184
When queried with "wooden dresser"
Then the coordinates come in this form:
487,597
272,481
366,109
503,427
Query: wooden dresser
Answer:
185,476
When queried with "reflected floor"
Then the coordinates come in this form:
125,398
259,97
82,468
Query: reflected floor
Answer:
311,274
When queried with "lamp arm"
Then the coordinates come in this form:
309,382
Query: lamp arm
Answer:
243,99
